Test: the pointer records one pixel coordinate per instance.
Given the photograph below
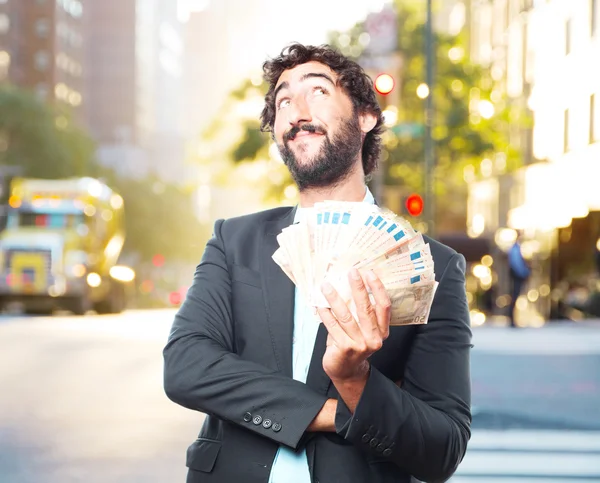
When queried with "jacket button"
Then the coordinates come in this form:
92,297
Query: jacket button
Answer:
267,423
387,452
257,420
247,417
276,427
380,447
366,438
374,442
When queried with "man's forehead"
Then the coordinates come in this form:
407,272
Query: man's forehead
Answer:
296,74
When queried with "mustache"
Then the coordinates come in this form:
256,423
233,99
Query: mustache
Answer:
312,128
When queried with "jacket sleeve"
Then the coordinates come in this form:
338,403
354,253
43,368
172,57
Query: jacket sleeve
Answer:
201,371
424,425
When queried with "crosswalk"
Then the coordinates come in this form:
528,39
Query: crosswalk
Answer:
558,339
519,456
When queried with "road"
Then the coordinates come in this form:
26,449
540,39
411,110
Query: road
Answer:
536,401
81,401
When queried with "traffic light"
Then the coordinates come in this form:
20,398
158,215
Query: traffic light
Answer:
158,260
414,205
175,298
384,84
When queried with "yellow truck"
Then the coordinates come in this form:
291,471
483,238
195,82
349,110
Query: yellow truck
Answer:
61,245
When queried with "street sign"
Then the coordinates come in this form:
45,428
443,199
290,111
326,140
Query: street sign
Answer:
409,129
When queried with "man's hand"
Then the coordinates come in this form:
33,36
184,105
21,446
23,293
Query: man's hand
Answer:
350,342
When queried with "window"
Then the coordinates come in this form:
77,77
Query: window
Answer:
525,53
4,23
568,37
4,64
594,121
42,90
74,39
526,5
566,132
74,7
48,220
41,60
593,17
42,28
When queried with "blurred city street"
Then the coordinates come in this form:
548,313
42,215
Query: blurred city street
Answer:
82,400
129,127
536,394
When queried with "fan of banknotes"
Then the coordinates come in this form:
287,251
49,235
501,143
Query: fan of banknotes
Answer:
334,236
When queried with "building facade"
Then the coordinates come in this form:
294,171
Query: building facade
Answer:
42,49
543,55
134,56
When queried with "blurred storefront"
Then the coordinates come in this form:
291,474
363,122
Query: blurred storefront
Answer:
541,54
556,208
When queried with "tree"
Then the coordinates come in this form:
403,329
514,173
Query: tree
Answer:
233,146
159,219
40,138
44,141
471,123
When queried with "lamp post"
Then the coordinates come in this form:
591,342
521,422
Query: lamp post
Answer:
429,148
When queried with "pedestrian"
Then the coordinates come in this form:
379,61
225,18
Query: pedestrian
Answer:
291,400
519,273
597,255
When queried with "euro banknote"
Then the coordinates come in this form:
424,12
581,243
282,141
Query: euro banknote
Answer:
333,237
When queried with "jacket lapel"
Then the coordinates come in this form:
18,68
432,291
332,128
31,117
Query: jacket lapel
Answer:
278,293
316,378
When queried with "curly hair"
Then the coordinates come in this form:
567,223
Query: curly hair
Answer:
351,77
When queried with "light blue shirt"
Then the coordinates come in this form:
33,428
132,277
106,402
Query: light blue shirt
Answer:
291,466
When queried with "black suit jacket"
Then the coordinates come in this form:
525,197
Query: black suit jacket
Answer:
229,355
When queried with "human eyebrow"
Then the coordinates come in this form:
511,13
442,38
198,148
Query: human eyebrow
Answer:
283,85
319,74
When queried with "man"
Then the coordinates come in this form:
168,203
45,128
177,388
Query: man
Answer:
292,400
519,273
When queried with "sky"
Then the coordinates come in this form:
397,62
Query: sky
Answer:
247,32
314,17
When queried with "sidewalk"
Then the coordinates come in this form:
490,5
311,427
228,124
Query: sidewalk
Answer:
502,321
555,337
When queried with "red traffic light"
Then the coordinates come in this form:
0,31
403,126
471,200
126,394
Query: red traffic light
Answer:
158,260
175,298
384,84
414,205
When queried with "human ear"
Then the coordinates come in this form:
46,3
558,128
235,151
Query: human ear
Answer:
367,121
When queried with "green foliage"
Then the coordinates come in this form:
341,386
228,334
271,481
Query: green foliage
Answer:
39,138
45,143
252,142
159,219
233,142
461,136
241,92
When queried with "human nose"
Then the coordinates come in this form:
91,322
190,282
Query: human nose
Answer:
299,112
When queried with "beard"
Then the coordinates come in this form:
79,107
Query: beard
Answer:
332,163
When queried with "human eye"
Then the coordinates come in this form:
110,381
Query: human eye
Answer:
283,102
320,91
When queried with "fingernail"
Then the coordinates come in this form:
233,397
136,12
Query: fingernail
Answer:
327,288
354,274
371,275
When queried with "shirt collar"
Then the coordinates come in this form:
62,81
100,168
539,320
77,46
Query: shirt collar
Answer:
302,212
